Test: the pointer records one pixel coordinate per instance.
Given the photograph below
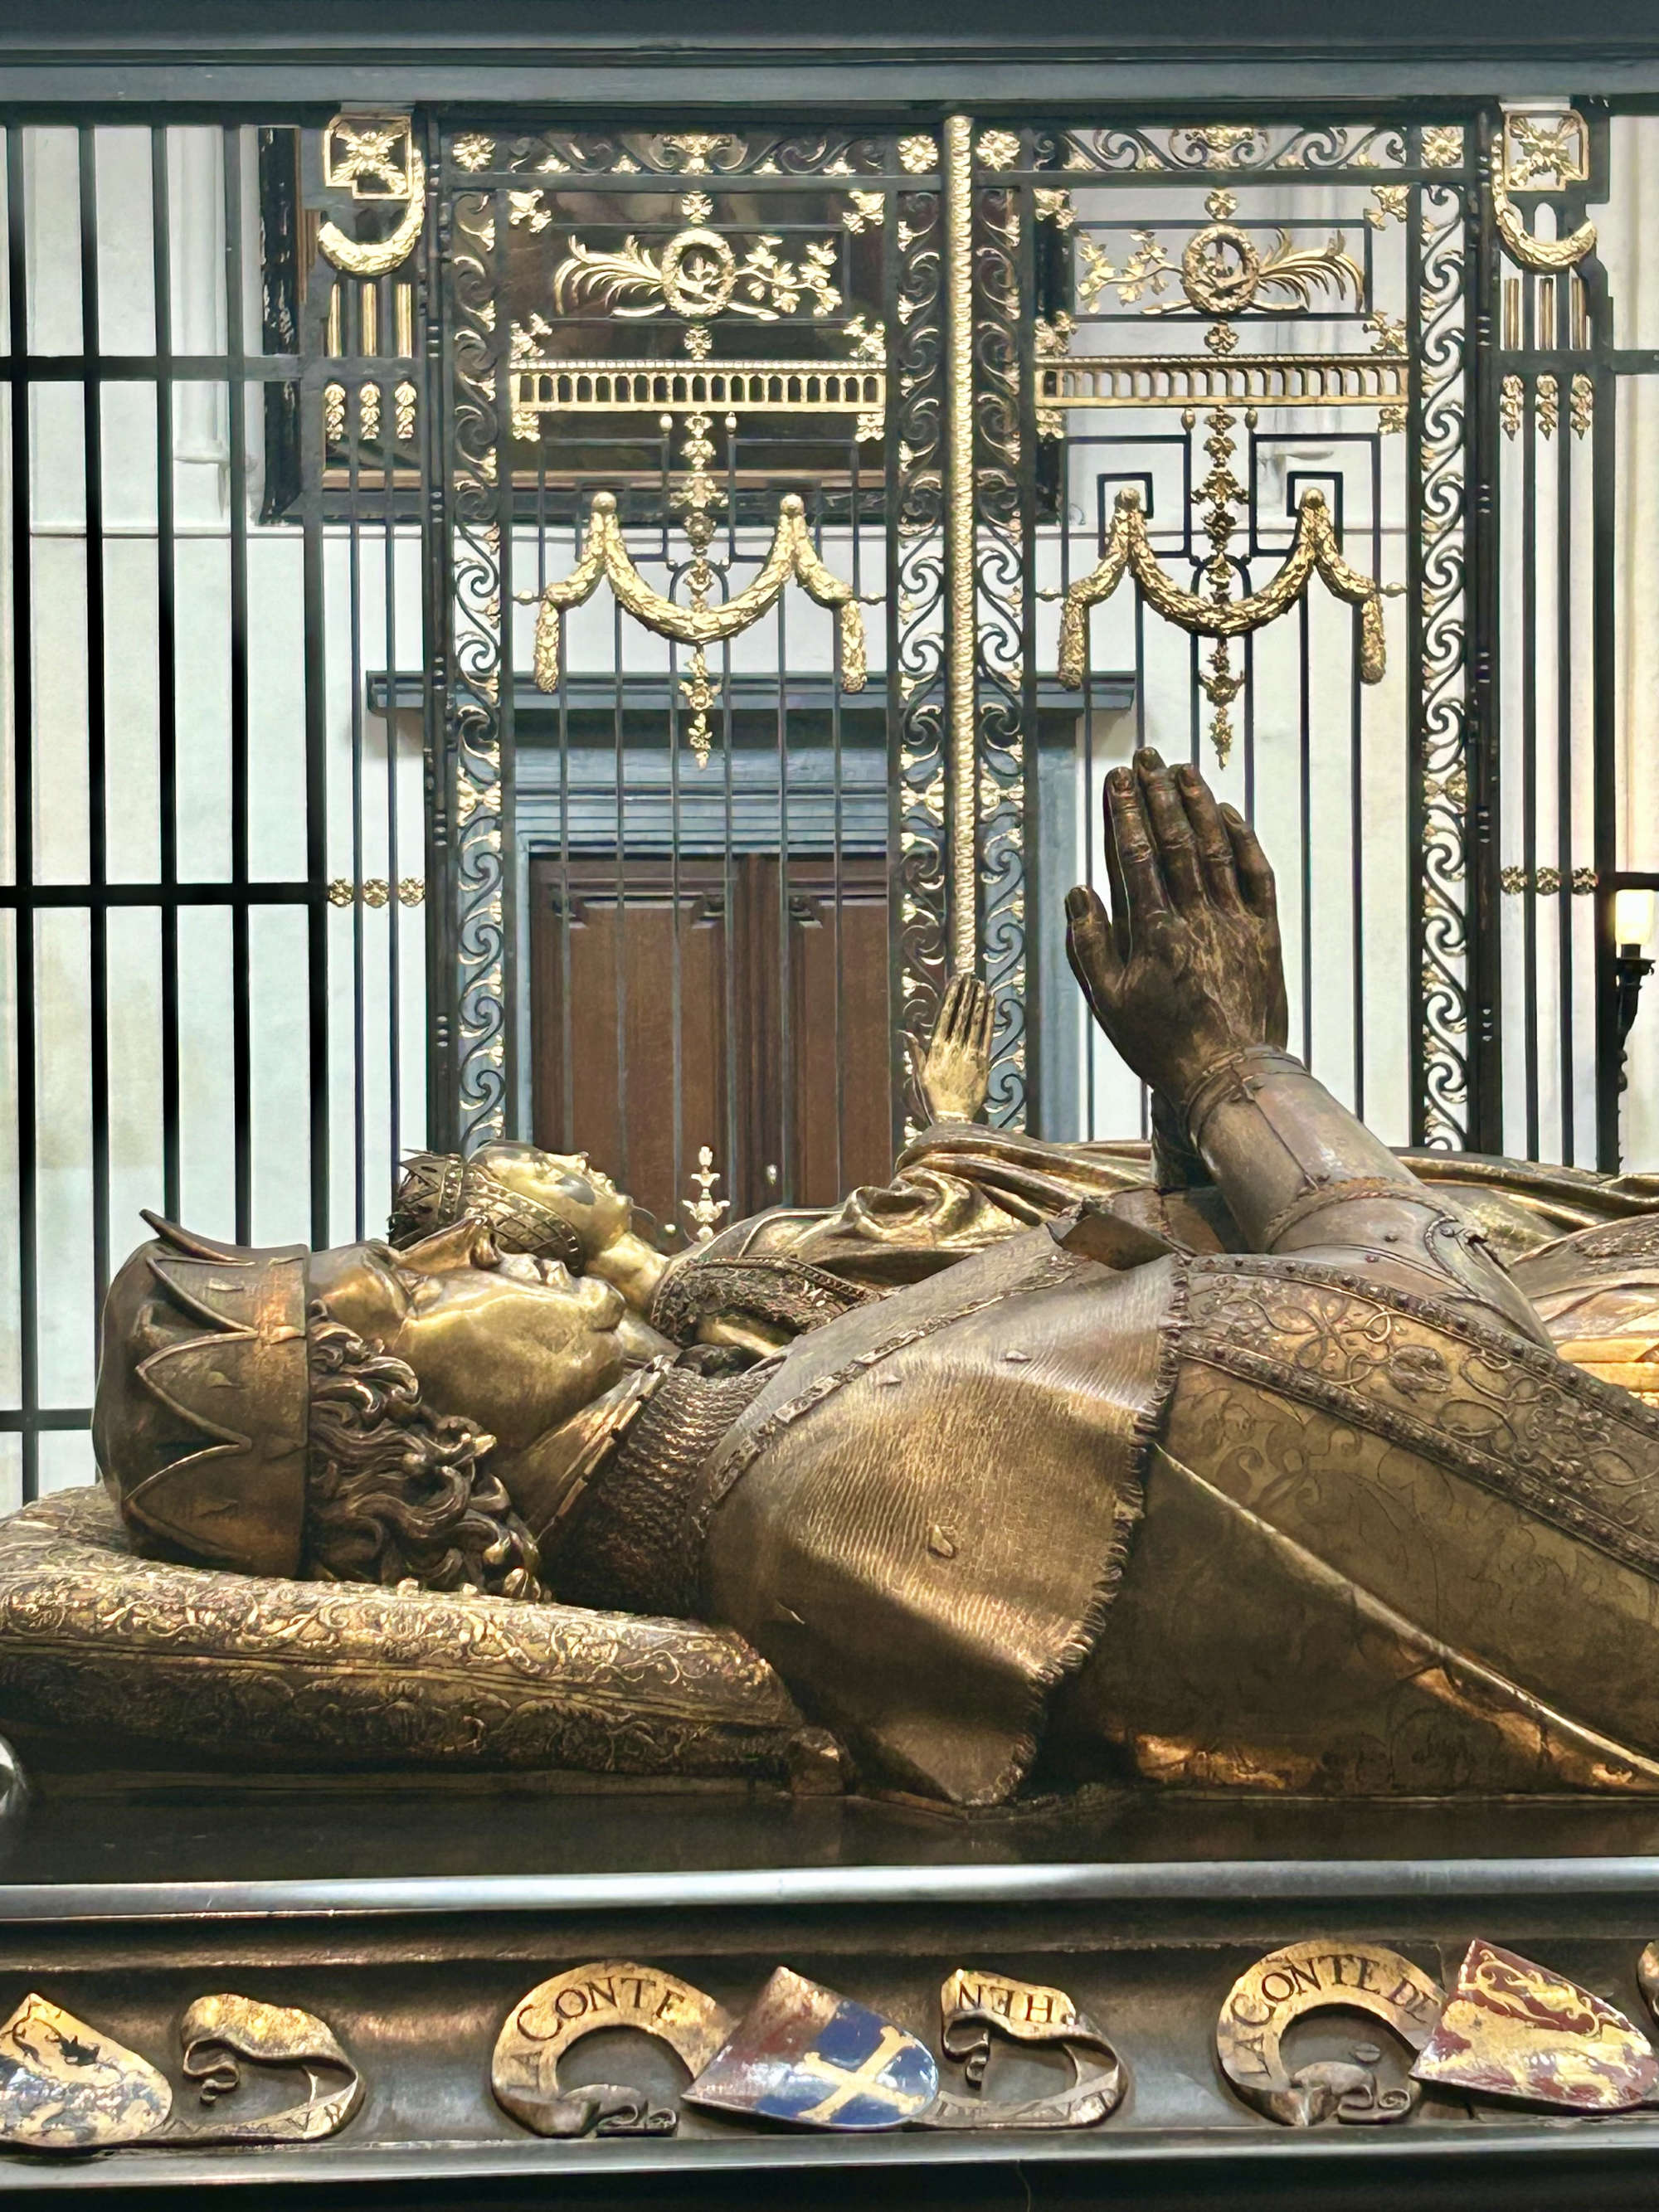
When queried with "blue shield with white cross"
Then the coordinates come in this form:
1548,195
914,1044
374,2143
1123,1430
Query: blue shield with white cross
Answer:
805,2056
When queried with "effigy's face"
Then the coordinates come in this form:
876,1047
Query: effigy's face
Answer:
512,1344
568,1185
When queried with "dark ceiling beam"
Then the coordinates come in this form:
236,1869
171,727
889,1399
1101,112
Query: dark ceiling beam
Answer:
720,53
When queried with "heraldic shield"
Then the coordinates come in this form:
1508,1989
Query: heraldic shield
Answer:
803,2055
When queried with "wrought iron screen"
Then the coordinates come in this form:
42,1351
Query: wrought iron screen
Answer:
1243,356
212,847
692,459
574,630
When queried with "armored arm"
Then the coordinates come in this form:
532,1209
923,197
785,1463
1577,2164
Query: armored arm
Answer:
1187,978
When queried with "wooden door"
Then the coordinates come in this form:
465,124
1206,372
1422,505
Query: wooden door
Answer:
779,1012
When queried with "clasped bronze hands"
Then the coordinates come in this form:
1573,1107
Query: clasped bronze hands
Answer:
1187,967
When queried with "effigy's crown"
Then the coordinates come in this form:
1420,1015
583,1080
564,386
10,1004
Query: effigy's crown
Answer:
202,1418
438,1189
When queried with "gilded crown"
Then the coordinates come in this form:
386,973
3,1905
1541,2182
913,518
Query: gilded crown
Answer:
201,1421
439,1188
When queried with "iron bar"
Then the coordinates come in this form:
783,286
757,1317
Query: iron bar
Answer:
1483,927
355,394
959,539
1564,785
167,663
236,439
1529,557
314,615
97,719
22,722
391,438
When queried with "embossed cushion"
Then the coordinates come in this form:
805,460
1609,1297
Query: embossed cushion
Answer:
342,1675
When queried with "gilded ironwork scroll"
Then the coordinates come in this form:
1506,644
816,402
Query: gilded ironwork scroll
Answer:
1232,400
959,533
1227,269
917,615
1001,643
703,275
480,702
714,376
1440,673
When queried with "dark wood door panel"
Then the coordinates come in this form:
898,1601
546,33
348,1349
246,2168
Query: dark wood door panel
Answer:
841,1125
779,1014
604,1027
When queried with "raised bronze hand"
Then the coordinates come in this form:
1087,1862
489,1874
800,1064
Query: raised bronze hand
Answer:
954,1072
1188,969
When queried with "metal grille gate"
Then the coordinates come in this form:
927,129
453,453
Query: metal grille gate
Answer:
679,559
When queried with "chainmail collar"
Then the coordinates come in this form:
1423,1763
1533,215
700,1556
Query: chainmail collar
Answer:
624,1537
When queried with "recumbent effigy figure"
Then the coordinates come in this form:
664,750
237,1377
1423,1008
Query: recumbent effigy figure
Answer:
1277,1482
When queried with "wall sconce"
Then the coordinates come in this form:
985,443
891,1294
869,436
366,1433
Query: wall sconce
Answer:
1632,932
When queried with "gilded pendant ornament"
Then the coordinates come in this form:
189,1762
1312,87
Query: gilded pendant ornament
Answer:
1314,551
605,557
704,1210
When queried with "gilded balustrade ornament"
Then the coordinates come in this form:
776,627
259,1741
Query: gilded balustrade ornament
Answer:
519,1490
